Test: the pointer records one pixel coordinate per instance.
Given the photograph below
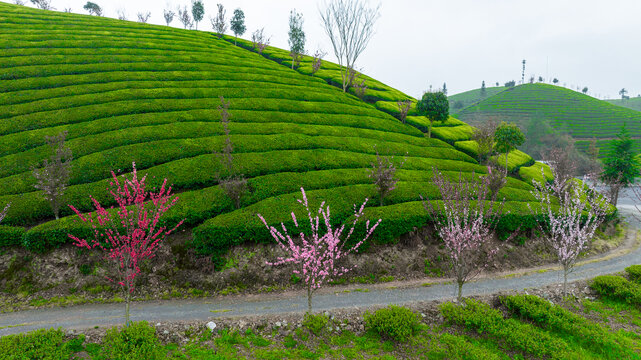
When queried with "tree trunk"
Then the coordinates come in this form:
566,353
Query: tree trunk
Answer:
507,152
127,297
429,130
565,281
309,299
460,291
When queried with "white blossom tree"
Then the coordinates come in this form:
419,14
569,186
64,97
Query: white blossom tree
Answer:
570,215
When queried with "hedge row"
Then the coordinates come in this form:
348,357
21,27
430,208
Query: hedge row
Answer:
196,206
510,333
59,81
590,335
452,134
22,141
276,91
129,107
11,235
244,226
97,166
86,145
617,288
634,272
24,96
515,160
530,173
197,172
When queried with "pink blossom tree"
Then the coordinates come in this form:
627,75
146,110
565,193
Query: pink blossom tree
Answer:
135,233
316,256
570,225
464,223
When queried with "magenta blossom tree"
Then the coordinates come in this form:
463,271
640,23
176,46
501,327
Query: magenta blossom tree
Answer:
133,234
570,225
464,223
316,256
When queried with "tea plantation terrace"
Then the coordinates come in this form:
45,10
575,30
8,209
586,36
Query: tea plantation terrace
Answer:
129,92
579,115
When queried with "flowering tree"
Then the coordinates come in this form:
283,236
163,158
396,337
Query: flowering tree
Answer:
383,173
134,234
259,40
316,256
465,223
318,61
571,224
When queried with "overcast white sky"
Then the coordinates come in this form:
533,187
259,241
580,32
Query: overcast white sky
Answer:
594,43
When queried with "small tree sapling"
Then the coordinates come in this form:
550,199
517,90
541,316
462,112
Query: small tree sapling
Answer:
403,109
259,41
53,176
383,174
316,256
318,61
132,232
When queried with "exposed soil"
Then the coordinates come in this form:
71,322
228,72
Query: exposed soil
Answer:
31,280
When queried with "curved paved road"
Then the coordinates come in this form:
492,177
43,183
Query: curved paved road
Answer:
88,316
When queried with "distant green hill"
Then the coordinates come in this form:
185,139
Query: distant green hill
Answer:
126,91
580,116
633,103
462,100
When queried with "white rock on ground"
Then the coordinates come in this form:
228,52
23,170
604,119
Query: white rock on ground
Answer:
211,325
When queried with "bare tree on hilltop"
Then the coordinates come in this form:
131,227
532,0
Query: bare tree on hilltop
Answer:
219,23
184,17
169,14
40,4
122,15
259,41
143,17
349,24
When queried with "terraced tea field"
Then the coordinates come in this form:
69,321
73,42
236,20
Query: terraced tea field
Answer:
128,92
633,103
471,97
581,116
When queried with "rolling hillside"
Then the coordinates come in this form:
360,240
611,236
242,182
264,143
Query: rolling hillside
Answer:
581,116
633,103
471,97
127,91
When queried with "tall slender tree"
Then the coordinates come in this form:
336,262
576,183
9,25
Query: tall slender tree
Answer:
296,36
197,11
508,137
238,24
349,24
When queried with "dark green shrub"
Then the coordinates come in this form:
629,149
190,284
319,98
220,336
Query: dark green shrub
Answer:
394,322
10,235
38,345
138,341
315,323
634,272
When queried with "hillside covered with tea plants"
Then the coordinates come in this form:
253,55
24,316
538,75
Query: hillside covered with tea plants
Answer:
578,115
128,92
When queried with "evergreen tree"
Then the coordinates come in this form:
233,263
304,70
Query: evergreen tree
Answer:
483,92
238,24
621,166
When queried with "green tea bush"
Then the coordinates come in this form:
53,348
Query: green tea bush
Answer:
634,272
590,335
394,322
10,235
617,288
480,317
137,341
315,323
39,345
